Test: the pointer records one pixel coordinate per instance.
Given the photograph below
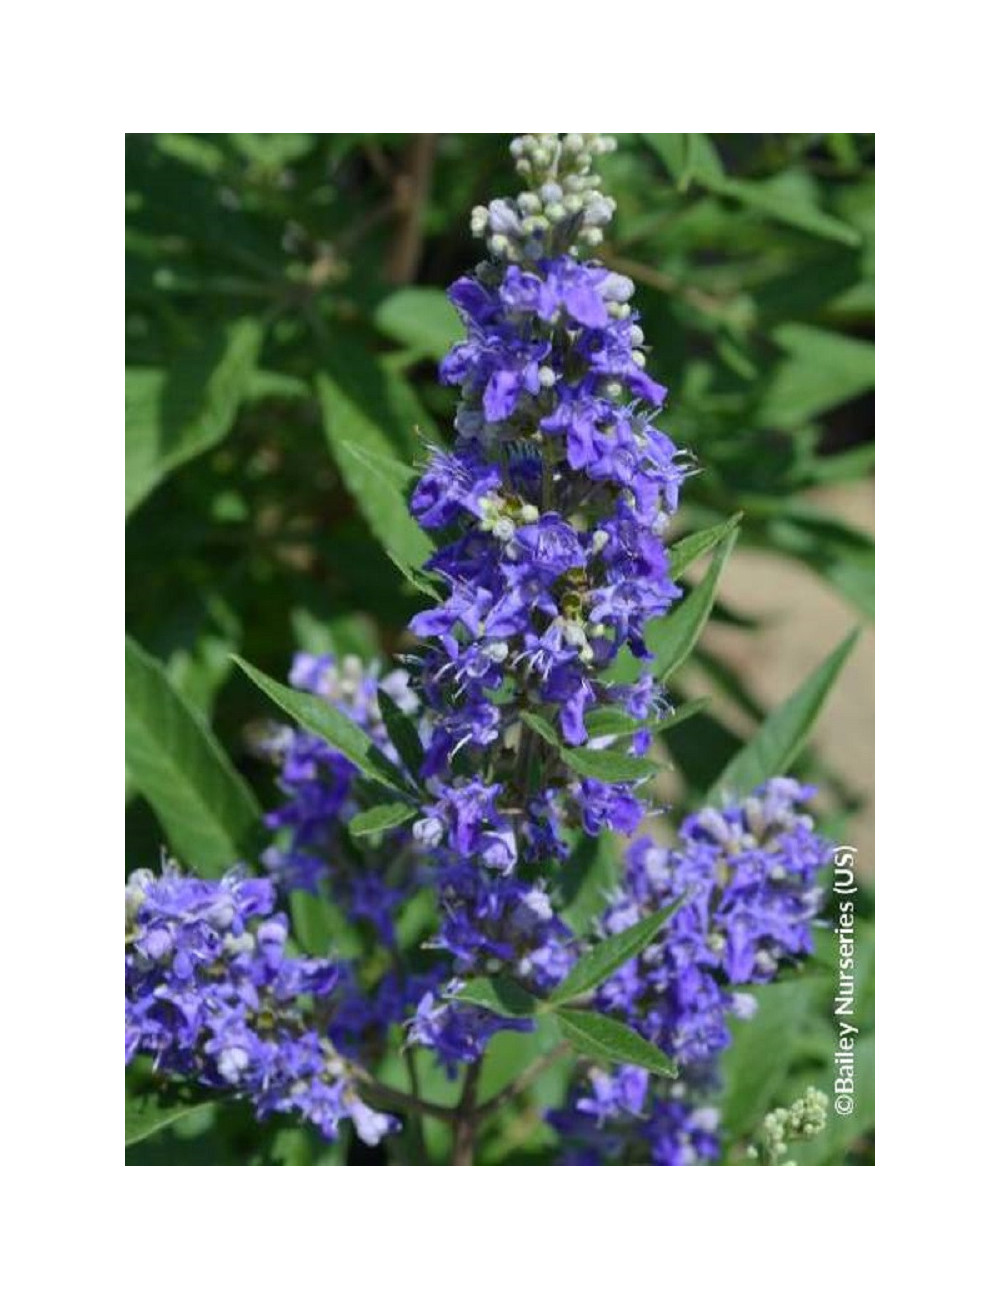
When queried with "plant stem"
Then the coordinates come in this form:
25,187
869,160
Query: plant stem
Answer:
380,1094
466,1118
411,190
523,1081
418,1122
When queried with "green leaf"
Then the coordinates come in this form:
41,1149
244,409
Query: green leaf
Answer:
758,1060
600,764
820,369
415,577
152,1105
605,1039
672,639
320,928
500,995
403,734
543,728
383,817
684,553
377,479
672,150
273,150
583,881
608,765
689,157
267,384
419,318
783,199
174,414
208,812
604,959
325,720
613,722
779,739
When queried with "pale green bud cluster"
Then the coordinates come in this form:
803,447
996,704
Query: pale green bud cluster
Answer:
501,516
562,208
804,1119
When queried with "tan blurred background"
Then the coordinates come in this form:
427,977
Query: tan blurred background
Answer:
802,619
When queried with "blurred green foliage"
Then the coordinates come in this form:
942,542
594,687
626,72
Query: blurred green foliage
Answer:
283,287
285,297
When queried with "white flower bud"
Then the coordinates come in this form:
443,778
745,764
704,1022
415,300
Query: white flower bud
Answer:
599,540
529,513
428,832
550,192
591,236
639,359
529,202
546,376
599,212
503,218
636,336
617,288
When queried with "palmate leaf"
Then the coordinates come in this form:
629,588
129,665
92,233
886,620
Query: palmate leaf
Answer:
176,413
605,957
337,729
783,733
604,1039
208,812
